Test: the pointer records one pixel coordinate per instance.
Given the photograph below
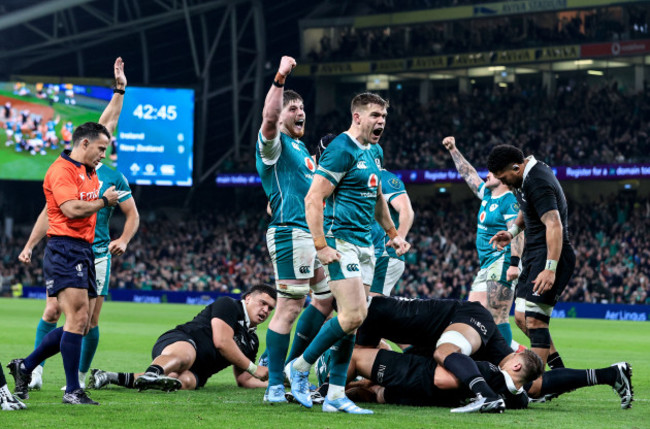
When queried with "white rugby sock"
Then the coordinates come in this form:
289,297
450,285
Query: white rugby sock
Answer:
300,364
335,392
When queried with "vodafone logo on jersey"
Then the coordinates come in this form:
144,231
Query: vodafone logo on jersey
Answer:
310,164
373,181
482,217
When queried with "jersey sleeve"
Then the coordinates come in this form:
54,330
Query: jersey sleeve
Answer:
335,162
226,310
269,150
391,186
543,198
63,185
122,188
510,208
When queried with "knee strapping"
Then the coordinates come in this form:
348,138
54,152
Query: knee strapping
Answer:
457,339
540,338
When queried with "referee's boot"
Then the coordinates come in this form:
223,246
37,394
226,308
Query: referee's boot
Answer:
21,378
78,397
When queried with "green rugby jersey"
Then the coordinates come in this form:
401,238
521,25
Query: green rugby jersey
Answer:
287,170
355,171
492,218
107,178
391,187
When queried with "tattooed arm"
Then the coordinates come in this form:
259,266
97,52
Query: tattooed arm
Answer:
464,168
516,249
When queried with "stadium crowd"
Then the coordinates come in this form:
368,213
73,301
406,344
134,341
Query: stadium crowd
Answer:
581,125
441,38
214,252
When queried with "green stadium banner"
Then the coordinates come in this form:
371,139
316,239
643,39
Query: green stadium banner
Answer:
484,10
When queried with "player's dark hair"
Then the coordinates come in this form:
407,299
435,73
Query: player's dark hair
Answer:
269,290
364,99
532,366
502,156
323,143
90,131
290,95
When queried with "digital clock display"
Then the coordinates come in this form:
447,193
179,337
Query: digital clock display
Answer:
155,136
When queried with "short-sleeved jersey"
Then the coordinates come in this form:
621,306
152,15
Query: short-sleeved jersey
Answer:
107,178
540,193
287,170
492,217
233,313
355,171
67,180
391,187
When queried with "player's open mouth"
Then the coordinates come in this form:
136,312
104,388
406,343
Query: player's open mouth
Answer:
300,123
377,131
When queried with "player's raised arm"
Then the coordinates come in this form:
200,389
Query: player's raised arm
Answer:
112,112
273,101
463,166
38,232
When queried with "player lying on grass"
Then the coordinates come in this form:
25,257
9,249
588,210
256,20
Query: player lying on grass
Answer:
8,402
452,331
222,334
410,379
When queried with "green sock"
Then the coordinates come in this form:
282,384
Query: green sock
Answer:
308,325
42,330
88,349
328,335
277,346
506,331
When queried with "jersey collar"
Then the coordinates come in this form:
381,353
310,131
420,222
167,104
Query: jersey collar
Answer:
247,319
531,163
66,155
510,384
361,146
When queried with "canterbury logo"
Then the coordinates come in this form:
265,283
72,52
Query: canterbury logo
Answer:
352,267
361,165
304,269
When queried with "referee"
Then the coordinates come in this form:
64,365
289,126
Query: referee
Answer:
549,258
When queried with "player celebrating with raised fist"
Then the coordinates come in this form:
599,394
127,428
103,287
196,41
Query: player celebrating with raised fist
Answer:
286,169
348,177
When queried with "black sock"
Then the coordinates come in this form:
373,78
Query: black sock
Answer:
466,371
564,380
554,361
3,380
156,369
125,379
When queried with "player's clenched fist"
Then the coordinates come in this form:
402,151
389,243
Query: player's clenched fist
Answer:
286,65
449,143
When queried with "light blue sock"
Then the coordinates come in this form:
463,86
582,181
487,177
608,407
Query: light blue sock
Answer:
42,330
328,335
277,346
88,349
506,331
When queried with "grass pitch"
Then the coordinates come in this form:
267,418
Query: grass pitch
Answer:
128,331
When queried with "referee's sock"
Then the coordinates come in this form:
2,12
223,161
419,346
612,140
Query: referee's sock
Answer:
42,330
50,346
307,328
71,354
563,380
467,372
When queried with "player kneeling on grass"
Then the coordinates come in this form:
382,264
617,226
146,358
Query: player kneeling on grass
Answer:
222,334
8,402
